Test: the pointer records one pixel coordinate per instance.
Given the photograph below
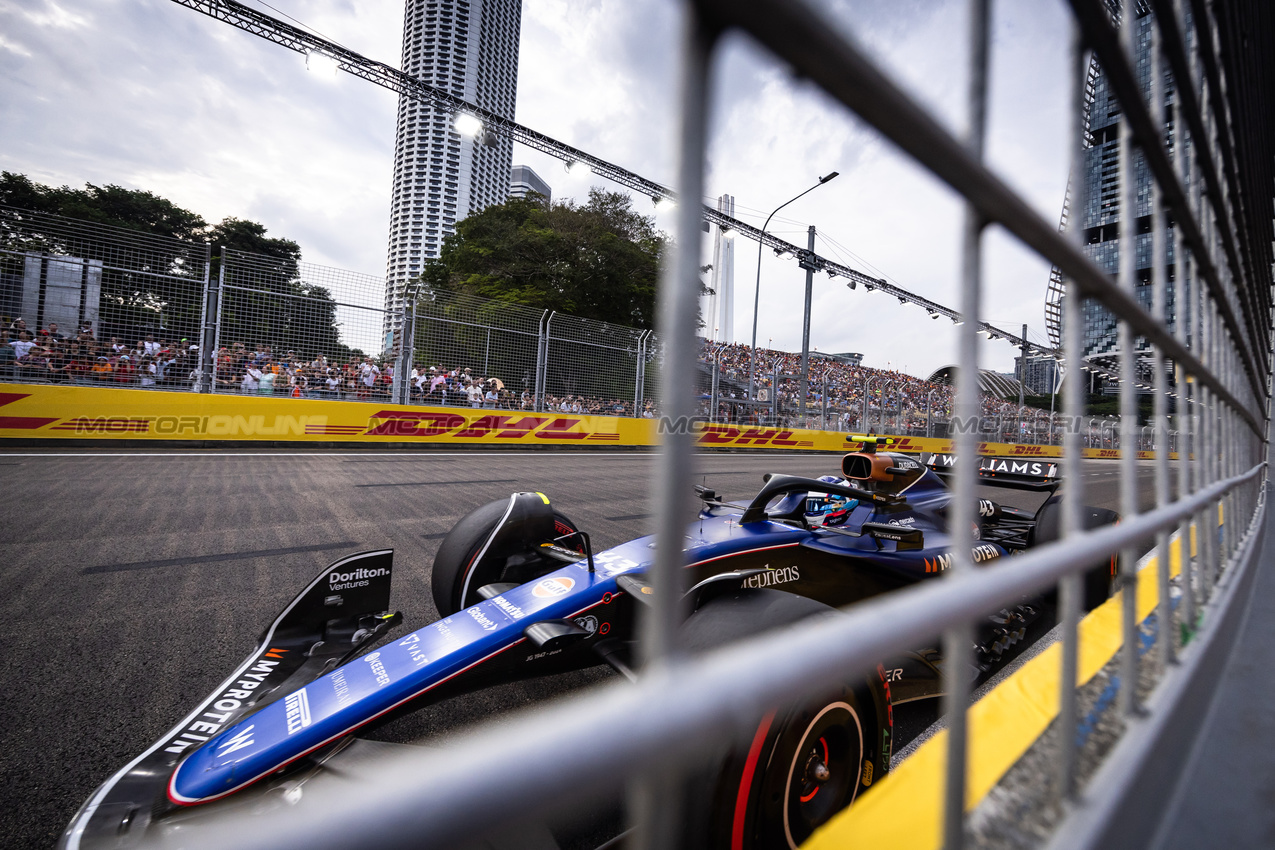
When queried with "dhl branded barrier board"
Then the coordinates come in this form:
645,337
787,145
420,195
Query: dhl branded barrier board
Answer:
70,412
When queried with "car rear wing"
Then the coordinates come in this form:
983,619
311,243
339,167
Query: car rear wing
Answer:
1016,473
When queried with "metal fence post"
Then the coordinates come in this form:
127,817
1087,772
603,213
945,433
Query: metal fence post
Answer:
216,313
712,398
207,334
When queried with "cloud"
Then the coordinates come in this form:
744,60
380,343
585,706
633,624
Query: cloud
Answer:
151,95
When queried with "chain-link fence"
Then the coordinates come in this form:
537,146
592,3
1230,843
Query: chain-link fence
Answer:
111,307
87,302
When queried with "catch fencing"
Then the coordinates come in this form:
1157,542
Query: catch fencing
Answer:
1214,357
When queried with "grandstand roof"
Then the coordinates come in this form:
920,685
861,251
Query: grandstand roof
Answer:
992,383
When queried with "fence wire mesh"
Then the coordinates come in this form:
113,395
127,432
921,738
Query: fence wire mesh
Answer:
87,302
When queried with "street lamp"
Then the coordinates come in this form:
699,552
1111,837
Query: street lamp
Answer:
752,373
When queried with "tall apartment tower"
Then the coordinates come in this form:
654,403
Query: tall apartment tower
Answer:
1102,218
719,317
468,48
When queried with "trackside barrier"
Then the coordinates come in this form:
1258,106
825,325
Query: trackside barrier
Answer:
1003,725
37,412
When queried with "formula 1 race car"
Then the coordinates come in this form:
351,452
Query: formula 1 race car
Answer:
521,593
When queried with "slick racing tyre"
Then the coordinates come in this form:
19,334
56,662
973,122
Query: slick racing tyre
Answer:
802,763
1100,578
457,568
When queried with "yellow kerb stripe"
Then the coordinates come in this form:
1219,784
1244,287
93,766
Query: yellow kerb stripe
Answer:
904,810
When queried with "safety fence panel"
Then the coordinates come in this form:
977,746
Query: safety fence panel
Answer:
465,347
592,366
86,301
285,326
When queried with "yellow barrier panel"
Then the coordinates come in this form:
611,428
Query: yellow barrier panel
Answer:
72,412
905,809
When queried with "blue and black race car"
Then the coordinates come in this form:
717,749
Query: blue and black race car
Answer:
521,594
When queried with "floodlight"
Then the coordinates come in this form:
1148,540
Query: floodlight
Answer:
467,125
321,63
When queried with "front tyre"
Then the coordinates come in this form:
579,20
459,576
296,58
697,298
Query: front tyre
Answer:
464,563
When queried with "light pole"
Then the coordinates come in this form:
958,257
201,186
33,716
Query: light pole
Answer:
752,374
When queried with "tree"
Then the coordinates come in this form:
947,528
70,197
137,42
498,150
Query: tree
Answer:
599,261
162,286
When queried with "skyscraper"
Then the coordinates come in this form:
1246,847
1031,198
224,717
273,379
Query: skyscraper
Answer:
1102,218
468,48
523,181
719,317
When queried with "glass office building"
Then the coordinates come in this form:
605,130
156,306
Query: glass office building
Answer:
1102,217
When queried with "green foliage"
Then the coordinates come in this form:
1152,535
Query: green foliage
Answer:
599,261
164,285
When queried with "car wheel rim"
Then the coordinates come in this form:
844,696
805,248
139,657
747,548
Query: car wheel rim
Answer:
823,771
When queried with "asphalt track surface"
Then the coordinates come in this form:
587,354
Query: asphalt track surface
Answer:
135,580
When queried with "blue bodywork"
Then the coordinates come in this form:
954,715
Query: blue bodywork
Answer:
372,685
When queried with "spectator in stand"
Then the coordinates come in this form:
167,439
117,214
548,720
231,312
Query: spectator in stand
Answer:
369,373
491,399
52,332
23,344
251,382
125,370
149,347
85,334
265,384
147,373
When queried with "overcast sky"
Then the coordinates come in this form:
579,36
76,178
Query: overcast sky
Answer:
150,95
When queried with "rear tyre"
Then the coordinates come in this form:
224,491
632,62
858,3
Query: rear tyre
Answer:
1099,579
802,763
458,571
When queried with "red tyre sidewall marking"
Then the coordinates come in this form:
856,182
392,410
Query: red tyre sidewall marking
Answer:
746,781
811,795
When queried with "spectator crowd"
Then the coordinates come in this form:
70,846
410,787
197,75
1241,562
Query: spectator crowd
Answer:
857,396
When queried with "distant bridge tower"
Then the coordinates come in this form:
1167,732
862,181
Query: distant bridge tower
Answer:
719,318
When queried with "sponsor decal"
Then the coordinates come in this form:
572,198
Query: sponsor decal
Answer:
358,578
986,507
588,622
612,563
867,773
894,675
445,632
431,424
341,688
1030,450
772,577
1035,468
723,435
332,600
297,710
939,563
508,607
980,553
241,739
378,669
219,711
222,425
985,552
551,588
482,619
412,644
906,521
